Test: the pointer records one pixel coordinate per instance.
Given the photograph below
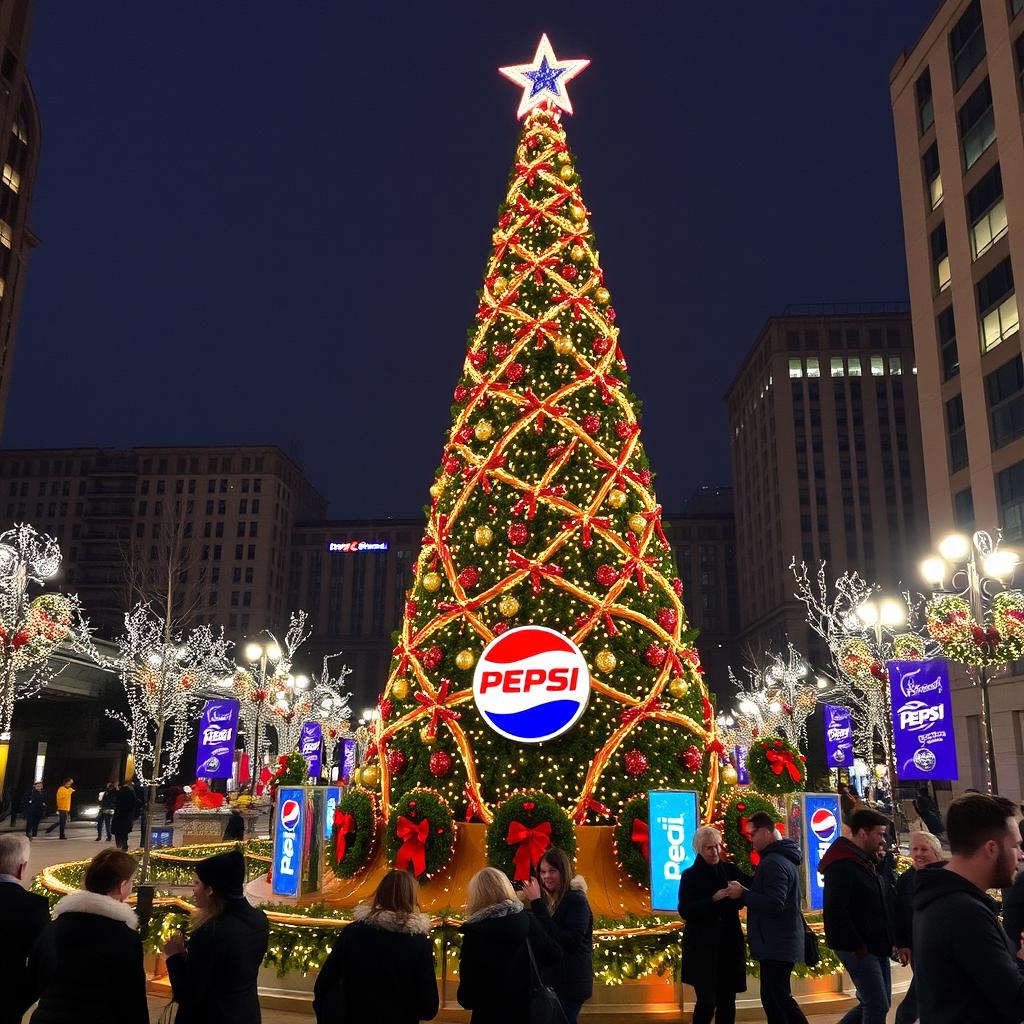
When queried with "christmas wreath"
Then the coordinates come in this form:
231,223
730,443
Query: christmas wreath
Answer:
775,766
738,813
524,826
292,770
421,833
632,840
354,830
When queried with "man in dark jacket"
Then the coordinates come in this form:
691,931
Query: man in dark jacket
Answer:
966,970
858,912
108,804
24,916
35,809
775,927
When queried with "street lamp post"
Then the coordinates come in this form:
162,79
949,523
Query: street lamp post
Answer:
981,569
260,657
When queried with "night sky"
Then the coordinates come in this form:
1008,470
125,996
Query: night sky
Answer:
269,227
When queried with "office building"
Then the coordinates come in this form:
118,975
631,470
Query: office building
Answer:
957,103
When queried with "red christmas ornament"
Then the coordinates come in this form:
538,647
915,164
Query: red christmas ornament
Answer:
606,575
528,805
501,350
465,435
591,423
569,272
645,477
692,759
478,358
451,465
655,655
385,709
677,586
440,764
667,619
514,372
623,430
602,345
460,394
396,762
470,576
533,142
635,762
500,628
433,658
518,534
581,621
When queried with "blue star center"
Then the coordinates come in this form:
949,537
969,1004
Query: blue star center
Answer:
545,77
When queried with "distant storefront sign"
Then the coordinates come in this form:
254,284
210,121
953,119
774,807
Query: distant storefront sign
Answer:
347,547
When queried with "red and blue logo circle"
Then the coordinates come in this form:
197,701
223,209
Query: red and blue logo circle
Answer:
290,814
531,684
824,825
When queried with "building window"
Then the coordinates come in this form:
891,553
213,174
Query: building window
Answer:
836,366
997,306
796,368
6,235
1010,493
957,433
1016,6
853,367
1004,389
813,369
946,328
895,366
1019,47
963,505
11,178
940,257
925,107
986,210
932,175
967,44
877,366
977,124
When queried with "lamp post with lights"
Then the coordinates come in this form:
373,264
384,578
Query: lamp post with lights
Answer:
977,570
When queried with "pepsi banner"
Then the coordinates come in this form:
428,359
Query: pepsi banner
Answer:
333,796
531,684
348,759
310,743
922,720
289,833
838,736
742,776
218,728
673,821
814,822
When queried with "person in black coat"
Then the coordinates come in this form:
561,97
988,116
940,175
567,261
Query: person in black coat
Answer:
714,958
213,975
24,916
124,815
495,975
381,968
559,901
928,809
108,804
925,852
88,961
35,809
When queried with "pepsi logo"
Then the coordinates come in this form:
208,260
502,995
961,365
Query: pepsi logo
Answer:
824,825
531,684
290,814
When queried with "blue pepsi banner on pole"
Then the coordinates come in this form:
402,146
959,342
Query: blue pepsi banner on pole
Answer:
816,817
218,728
838,736
673,820
333,796
348,759
310,743
289,830
741,766
922,720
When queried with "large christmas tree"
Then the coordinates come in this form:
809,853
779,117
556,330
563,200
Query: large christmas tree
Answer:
543,511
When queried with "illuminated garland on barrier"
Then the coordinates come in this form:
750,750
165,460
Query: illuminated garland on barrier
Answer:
524,826
962,638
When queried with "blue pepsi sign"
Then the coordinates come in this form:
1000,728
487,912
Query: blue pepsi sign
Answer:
289,830
310,744
673,821
838,736
820,827
218,728
333,796
922,720
742,776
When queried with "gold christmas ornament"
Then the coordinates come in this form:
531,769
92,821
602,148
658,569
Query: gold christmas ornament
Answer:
500,286
729,775
616,498
436,490
602,295
577,252
371,775
482,536
578,213
400,689
508,606
357,777
566,172
431,582
605,661
464,660
425,738
678,687
483,430
563,346
563,157
637,523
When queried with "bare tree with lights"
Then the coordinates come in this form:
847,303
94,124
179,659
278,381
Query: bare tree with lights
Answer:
331,707
33,628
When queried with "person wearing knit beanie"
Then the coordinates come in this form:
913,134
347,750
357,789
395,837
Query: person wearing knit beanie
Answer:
224,873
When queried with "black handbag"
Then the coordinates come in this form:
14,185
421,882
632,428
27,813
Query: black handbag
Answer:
544,1007
812,953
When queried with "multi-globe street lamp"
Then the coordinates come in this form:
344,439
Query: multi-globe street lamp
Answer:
265,662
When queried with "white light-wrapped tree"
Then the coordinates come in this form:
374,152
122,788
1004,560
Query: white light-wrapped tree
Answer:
331,708
164,674
33,628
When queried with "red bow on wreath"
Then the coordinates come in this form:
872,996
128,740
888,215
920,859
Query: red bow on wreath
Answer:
641,835
413,851
344,824
782,760
530,845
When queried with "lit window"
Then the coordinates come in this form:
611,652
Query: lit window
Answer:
18,129
877,366
942,274
796,368
837,366
853,366
11,178
935,190
812,367
3,285
895,366
989,228
6,234
999,323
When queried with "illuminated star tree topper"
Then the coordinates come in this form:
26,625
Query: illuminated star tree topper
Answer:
544,80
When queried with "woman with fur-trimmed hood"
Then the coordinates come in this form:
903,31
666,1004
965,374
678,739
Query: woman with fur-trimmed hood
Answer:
558,899
382,966
495,977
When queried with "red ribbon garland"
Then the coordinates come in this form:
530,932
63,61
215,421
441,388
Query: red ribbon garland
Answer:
438,711
574,302
413,851
530,171
480,472
537,570
530,844
473,808
641,711
343,825
604,381
655,518
533,402
587,521
590,804
638,563
537,266
542,328
782,760
528,502
641,835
